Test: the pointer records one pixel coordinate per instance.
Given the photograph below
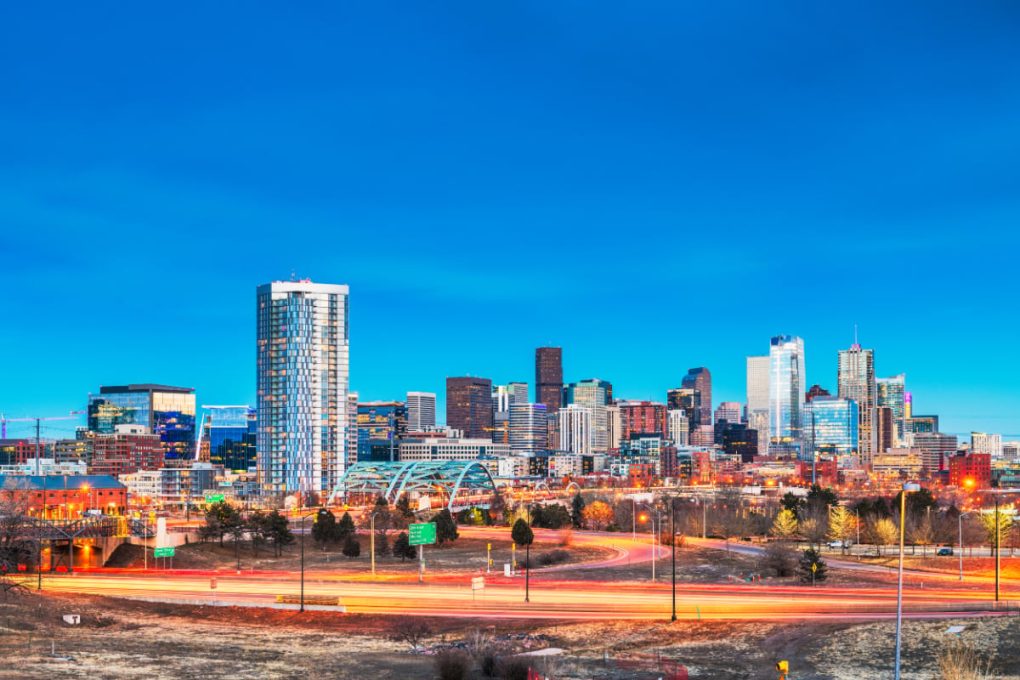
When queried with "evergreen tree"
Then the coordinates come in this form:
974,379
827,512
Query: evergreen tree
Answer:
812,567
324,528
344,528
791,502
351,547
255,525
382,544
446,528
402,548
404,507
577,510
521,533
278,531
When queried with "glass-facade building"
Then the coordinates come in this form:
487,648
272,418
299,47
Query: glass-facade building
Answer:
831,427
786,394
231,433
381,426
593,394
529,427
302,380
892,393
162,409
856,380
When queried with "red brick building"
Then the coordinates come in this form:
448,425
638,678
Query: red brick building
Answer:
65,496
120,454
971,471
642,417
17,451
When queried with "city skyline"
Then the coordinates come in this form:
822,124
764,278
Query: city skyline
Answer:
691,171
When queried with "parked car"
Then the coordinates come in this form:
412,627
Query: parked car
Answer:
944,551
836,545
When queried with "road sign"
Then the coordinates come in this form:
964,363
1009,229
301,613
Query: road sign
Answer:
423,533
814,567
478,583
214,498
163,552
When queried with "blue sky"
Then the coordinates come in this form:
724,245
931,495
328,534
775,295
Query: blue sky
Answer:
652,186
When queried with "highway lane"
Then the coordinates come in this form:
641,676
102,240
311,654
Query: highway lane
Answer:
549,599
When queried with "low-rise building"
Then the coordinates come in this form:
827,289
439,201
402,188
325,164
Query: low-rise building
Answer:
450,449
66,496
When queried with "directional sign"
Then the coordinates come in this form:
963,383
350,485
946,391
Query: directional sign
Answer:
214,498
478,583
421,534
163,552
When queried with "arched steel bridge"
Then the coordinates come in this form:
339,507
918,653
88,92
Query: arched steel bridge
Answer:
392,480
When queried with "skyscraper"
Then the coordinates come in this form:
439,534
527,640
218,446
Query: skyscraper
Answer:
302,380
786,394
642,418
593,394
757,407
529,427
421,411
830,427
549,388
891,393
883,430
162,409
575,428
469,406
856,376
700,380
381,426
679,427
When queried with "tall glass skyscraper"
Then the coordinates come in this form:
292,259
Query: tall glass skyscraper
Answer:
830,427
856,378
302,379
786,394
381,426
162,409
231,432
892,393
529,427
700,380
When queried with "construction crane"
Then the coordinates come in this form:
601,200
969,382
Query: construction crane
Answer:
38,423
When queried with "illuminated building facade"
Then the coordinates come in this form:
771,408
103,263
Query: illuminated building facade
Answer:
164,410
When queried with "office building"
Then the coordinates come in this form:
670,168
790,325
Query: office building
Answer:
593,394
302,381
642,418
469,406
678,427
831,428
352,429
229,434
381,426
935,448
883,431
700,380
857,381
982,442
917,424
613,426
575,429
549,388
503,396
757,406
421,411
970,471
739,440
891,393
163,410
128,450
442,448
730,411
529,425
786,394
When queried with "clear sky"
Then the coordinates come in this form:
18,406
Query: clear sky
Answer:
653,186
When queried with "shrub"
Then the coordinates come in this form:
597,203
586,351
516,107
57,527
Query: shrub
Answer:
777,559
513,669
452,664
958,661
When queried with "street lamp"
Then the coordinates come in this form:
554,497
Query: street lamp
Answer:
303,518
672,531
371,540
655,551
907,488
959,521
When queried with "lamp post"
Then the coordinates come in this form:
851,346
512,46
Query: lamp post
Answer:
959,521
672,531
371,540
907,488
655,551
303,518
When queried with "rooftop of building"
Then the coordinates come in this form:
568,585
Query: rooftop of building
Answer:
144,387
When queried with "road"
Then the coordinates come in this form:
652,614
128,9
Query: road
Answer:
552,595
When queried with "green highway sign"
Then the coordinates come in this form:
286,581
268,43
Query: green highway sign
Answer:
214,498
421,534
163,552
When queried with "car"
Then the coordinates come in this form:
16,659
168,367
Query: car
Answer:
837,545
944,551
